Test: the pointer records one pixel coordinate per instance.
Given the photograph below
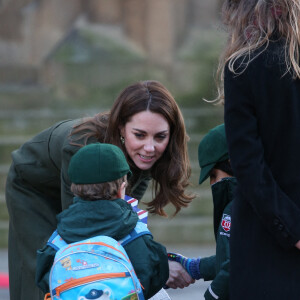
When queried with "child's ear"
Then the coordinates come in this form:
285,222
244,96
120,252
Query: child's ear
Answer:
121,191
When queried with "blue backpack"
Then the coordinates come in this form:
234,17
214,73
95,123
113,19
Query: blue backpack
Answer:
95,268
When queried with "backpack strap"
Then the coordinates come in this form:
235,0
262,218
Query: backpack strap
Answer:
55,241
139,230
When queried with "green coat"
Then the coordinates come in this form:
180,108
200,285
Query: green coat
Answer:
37,189
216,267
85,219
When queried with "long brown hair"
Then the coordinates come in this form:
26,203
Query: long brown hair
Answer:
251,25
172,171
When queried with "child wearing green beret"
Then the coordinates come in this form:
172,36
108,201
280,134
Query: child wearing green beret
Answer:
214,163
98,173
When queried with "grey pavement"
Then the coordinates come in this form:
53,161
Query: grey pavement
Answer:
4,294
192,292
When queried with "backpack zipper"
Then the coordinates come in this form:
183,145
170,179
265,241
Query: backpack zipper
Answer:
96,243
88,279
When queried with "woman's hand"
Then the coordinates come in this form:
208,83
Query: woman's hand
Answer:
178,276
298,245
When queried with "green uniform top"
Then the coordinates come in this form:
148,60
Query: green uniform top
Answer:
216,267
114,218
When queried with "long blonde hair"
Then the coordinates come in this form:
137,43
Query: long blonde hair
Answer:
251,25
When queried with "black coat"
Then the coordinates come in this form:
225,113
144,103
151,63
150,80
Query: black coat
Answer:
262,121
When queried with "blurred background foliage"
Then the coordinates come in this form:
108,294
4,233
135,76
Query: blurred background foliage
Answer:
84,73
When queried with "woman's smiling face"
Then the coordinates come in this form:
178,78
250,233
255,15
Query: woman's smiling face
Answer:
146,137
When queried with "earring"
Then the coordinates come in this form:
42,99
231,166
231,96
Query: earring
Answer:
122,140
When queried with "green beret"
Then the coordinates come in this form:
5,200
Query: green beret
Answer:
212,149
98,163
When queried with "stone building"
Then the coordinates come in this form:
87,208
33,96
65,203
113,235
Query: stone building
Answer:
31,29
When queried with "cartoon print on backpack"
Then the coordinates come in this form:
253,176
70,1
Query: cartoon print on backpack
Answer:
66,263
132,296
102,294
82,262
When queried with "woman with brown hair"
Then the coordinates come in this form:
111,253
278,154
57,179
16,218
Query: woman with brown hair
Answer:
260,69
145,122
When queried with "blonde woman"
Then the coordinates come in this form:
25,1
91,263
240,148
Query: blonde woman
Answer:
261,75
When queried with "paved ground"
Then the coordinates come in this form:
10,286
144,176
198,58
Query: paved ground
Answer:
192,292
4,295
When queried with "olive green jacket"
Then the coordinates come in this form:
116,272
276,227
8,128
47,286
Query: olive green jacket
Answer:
37,189
43,163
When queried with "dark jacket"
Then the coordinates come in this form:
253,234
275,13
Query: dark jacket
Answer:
262,122
37,189
86,219
216,267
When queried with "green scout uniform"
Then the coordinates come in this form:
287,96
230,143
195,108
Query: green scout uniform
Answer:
37,189
216,267
114,218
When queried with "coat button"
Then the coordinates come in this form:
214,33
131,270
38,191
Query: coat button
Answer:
280,227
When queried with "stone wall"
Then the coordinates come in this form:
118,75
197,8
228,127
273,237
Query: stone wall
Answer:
156,26
104,11
31,29
204,13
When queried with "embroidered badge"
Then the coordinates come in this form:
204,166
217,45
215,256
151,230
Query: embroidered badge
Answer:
226,222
